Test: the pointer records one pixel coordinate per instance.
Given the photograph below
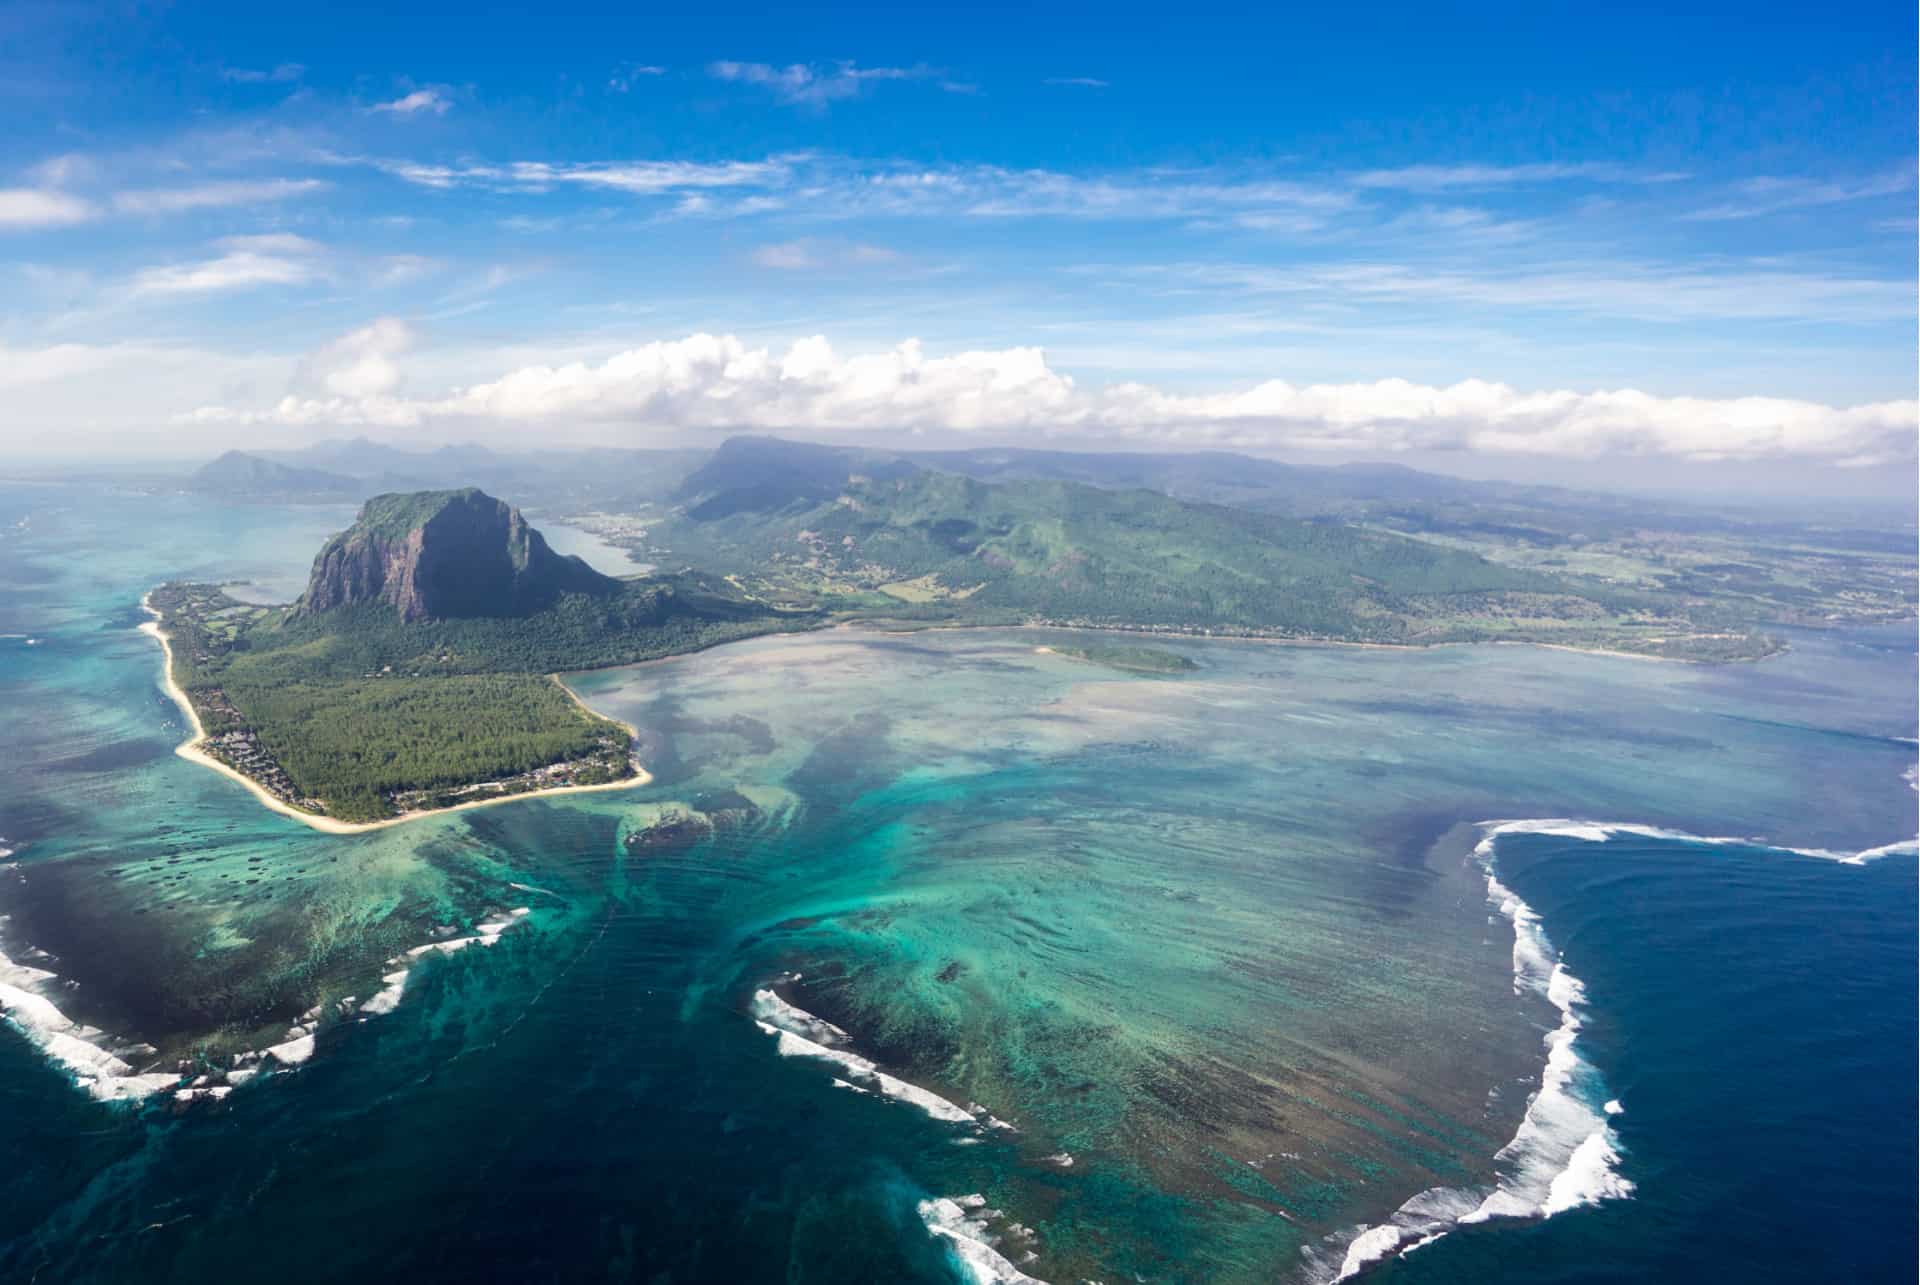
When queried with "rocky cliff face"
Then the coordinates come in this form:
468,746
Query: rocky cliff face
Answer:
439,554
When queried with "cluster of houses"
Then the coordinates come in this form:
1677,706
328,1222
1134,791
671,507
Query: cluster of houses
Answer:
241,750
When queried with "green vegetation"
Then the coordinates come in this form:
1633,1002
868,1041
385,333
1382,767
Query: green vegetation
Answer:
904,544
357,743
1717,579
413,670
360,715
413,673
1132,660
1058,551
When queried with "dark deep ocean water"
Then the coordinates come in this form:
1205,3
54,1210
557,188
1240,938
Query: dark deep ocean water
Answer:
1217,947
1758,1015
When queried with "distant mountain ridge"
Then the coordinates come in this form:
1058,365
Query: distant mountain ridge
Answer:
847,525
436,555
240,475
550,477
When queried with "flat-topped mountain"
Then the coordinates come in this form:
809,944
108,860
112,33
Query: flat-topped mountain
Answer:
437,555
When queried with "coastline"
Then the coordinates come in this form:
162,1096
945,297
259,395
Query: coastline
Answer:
190,750
1189,636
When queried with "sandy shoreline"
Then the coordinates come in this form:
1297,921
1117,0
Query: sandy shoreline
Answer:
190,750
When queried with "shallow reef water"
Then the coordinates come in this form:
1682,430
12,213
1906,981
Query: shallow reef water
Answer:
943,956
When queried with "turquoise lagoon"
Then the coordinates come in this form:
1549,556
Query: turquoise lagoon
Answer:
945,957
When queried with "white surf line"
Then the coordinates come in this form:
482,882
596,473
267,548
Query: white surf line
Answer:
102,1071
303,1037
394,984
798,1033
1601,831
95,1063
1565,1153
963,1226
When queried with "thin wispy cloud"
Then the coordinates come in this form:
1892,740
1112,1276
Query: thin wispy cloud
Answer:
204,196
810,255
1770,194
276,259
1077,82
1639,291
804,85
627,77
64,170
640,178
1438,178
285,72
984,191
421,102
404,269
835,187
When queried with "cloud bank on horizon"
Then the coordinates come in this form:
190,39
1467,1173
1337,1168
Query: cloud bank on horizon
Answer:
718,382
1586,248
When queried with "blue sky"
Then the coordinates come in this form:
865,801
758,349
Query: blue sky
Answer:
1546,232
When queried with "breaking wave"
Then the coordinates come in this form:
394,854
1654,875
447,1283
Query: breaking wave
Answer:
1565,1154
963,1227
798,1033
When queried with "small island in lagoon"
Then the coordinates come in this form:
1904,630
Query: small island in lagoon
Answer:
1130,660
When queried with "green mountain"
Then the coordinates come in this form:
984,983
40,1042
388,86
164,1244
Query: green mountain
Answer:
940,545
580,479
416,670
238,475
440,554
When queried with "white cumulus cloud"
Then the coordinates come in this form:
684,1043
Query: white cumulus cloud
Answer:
361,363
719,382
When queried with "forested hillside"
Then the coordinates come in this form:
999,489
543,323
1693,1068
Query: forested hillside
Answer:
908,543
415,671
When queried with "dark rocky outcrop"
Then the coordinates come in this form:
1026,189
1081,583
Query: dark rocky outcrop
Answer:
445,554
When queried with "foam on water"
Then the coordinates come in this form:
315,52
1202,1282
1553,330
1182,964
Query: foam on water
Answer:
106,1075
393,985
798,1033
1565,1153
1601,831
963,1226
294,1051
769,1007
79,1050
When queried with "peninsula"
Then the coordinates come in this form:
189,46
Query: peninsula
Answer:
419,671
